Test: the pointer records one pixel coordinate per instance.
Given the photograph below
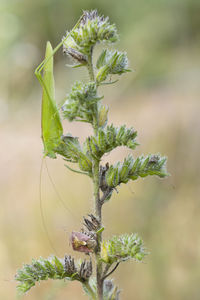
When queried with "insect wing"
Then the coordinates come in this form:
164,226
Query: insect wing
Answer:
52,129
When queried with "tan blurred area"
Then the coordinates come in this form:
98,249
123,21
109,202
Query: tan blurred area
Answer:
160,99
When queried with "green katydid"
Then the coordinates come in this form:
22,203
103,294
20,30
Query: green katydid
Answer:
51,123
52,129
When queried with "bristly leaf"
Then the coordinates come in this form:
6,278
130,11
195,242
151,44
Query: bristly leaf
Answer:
71,151
52,268
111,62
52,129
122,248
109,138
131,169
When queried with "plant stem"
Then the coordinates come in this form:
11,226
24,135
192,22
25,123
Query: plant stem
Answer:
90,290
90,66
98,205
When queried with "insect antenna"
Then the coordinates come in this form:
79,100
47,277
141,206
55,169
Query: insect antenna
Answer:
42,212
66,206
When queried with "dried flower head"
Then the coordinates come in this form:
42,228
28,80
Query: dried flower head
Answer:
69,265
91,223
85,270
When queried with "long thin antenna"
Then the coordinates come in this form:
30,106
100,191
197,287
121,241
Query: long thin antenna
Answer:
67,208
41,210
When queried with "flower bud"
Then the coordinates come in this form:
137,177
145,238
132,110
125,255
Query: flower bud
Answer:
85,164
111,62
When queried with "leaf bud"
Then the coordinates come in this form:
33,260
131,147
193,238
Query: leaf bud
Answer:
102,140
104,253
102,74
110,175
85,164
103,115
111,62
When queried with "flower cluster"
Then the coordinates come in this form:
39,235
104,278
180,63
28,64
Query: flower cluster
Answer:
80,102
91,29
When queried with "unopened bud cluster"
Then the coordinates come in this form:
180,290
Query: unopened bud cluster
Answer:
52,268
91,30
80,102
111,62
132,168
121,248
110,138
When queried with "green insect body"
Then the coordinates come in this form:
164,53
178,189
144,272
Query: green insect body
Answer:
52,129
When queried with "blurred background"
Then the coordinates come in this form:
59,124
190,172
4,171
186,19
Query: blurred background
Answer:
160,99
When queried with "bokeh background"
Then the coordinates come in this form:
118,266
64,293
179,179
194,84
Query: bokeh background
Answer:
160,99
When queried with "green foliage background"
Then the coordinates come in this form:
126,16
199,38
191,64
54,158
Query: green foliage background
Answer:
160,99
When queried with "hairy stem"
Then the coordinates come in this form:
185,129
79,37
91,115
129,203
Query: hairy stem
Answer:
98,205
89,290
90,66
